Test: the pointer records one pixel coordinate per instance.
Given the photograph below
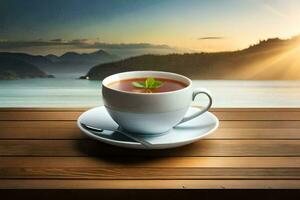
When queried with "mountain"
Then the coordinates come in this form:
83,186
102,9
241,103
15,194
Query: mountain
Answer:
17,69
68,63
40,61
73,62
270,59
80,62
52,57
99,56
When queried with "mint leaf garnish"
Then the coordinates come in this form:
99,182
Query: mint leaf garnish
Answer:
138,84
150,83
157,84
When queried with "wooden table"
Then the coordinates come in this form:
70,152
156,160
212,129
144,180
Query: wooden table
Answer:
44,149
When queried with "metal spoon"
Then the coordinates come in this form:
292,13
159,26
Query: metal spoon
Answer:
99,130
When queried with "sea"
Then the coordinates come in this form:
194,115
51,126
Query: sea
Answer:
68,91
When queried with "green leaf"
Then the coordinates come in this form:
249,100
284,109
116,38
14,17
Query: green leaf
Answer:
150,83
157,84
138,84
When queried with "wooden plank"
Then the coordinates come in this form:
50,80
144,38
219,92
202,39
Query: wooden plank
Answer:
270,134
255,148
40,130
223,124
255,109
75,133
170,173
228,130
260,124
44,109
258,115
214,109
222,114
140,162
258,134
38,124
38,116
149,184
143,168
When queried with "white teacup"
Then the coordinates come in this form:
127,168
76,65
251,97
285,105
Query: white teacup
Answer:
150,113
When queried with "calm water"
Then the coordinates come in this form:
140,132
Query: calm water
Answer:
62,92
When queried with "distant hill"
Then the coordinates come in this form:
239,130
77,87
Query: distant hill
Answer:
268,60
11,68
99,56
52,58
70,62
40,61
78,62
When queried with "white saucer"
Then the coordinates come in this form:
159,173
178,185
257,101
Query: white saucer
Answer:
183,134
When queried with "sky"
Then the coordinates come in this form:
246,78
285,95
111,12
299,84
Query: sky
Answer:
56,26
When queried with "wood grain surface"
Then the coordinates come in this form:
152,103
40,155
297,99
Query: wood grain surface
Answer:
253,148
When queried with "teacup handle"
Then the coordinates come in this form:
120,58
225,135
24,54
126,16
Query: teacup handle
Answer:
200,112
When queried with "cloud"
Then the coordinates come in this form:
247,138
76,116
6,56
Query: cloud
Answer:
79,43
20,44
211,38
129,46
